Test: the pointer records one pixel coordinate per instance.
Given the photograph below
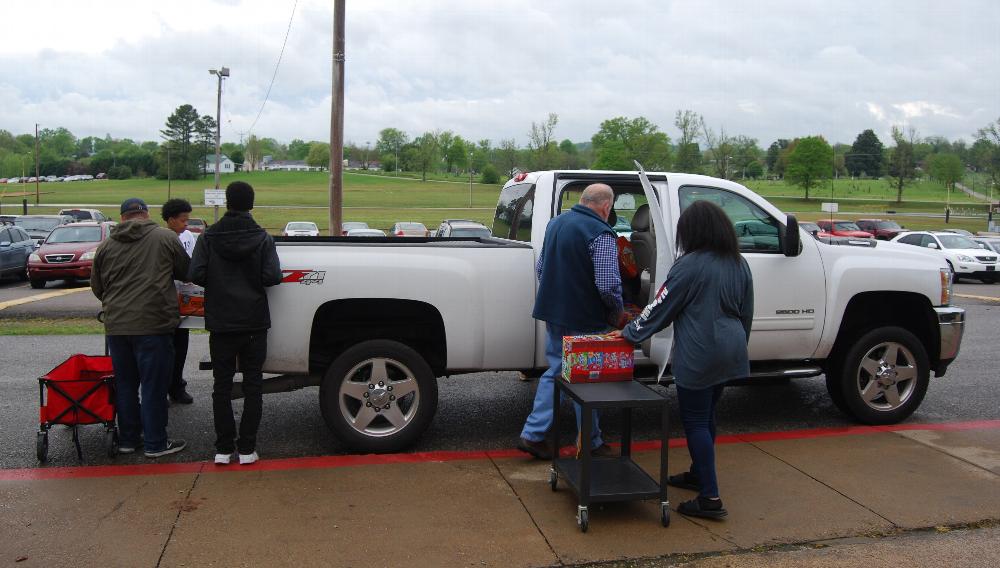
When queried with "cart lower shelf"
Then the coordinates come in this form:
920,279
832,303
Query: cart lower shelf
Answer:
611,479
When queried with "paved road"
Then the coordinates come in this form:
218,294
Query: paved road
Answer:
476,411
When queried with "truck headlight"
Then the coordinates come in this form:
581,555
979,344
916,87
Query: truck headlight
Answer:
965,258
89,255
34,258
946,275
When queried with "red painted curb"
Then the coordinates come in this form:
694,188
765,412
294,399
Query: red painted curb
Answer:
320,462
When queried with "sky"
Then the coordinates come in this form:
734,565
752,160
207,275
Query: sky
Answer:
767,69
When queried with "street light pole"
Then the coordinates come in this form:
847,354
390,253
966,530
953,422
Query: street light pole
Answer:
220,73
168,170
36,164
337,122
470,180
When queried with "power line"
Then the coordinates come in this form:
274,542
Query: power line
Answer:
276,65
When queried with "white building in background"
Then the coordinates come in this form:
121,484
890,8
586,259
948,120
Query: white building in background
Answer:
226,166
290,166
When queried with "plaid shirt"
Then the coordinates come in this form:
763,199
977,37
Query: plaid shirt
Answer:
604,255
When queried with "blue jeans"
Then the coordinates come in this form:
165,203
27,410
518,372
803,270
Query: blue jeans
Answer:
143,367
540,419
698,416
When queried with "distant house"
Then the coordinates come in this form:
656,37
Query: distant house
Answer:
290,166
226,166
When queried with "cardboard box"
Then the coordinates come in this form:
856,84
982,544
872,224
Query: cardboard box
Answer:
191,299
597,359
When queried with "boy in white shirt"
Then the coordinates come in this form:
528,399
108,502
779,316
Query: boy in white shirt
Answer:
176,213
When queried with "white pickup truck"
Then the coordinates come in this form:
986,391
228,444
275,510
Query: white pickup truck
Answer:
373,322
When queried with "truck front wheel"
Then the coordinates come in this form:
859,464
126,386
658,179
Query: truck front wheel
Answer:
882,378
378,396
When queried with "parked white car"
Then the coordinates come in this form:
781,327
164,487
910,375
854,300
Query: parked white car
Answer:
365,233
300,229
965,257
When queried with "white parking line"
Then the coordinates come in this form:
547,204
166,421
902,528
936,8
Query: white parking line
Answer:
39,297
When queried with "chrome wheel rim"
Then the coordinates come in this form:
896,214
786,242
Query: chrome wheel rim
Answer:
379,397
887,376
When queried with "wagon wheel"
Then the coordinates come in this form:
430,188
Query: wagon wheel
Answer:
42,446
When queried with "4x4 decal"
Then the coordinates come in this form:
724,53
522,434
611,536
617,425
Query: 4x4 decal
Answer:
306,277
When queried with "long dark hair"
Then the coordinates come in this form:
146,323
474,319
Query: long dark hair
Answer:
705,226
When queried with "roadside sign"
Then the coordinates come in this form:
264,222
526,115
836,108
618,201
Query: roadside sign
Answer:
829,207
215,197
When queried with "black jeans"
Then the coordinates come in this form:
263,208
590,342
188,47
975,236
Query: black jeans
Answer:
177,382
248,350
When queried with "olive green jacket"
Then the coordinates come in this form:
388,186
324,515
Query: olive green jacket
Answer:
133,277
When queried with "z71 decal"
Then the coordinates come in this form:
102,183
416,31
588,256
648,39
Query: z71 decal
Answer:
305,277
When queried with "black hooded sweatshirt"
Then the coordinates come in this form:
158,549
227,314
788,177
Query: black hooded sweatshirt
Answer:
235,259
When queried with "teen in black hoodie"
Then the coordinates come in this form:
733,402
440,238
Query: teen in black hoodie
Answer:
235,259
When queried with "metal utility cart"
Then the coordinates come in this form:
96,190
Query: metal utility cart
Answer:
596,480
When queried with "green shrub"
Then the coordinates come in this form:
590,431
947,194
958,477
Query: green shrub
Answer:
489,175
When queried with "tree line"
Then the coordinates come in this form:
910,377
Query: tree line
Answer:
187,138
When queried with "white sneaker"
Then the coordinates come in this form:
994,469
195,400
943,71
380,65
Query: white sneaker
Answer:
223,459
247,459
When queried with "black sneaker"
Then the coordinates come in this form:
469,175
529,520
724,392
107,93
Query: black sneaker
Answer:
173,446
539,450
703,507
181,397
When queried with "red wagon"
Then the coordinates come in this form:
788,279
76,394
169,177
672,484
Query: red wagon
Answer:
78,391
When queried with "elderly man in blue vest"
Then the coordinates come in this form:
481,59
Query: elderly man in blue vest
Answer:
579,292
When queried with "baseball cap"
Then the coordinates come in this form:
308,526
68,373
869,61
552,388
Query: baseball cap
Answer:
133,205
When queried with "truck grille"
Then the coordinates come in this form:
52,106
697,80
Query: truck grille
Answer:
57,258
986,258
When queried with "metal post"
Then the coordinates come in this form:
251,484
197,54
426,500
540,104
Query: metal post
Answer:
24,205
470,180
337,121
218,128
36,164
168,171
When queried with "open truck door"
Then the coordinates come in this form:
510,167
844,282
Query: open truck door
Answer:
658,347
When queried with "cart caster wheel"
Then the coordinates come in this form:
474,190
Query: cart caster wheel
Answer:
665,514
111,442
42,446
553,479
583,519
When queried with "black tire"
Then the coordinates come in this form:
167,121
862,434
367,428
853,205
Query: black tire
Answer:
891,397
664,515
111,442
954,275
583,520
37,284
42,446
23,275
553,480
345,413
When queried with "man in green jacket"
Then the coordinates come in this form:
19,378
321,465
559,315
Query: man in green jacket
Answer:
133,277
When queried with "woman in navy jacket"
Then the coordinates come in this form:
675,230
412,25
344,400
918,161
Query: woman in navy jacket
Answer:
708,296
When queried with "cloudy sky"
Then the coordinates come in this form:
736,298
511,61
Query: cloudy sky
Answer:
487,69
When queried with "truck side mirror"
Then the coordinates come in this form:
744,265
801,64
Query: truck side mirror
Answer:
791,241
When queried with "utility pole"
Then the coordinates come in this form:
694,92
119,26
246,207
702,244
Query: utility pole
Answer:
220,73
168,170
36,164
470,180
337,122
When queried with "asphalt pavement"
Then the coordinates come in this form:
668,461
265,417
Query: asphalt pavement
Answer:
480,411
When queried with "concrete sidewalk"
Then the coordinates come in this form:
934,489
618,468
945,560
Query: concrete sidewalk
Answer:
493,508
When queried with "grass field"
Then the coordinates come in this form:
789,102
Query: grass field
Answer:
381,200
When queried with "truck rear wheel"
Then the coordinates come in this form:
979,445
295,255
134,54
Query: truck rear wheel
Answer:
378,396
882,377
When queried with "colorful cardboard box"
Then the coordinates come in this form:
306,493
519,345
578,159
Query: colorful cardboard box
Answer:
191,299
597,359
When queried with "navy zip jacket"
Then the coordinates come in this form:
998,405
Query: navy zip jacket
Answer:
710,301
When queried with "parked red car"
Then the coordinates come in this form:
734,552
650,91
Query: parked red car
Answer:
196,225
814,230
839,228
882,229
67,253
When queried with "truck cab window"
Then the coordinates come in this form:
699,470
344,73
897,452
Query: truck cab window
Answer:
756,230
514,211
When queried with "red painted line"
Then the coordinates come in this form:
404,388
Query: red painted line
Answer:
321,462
